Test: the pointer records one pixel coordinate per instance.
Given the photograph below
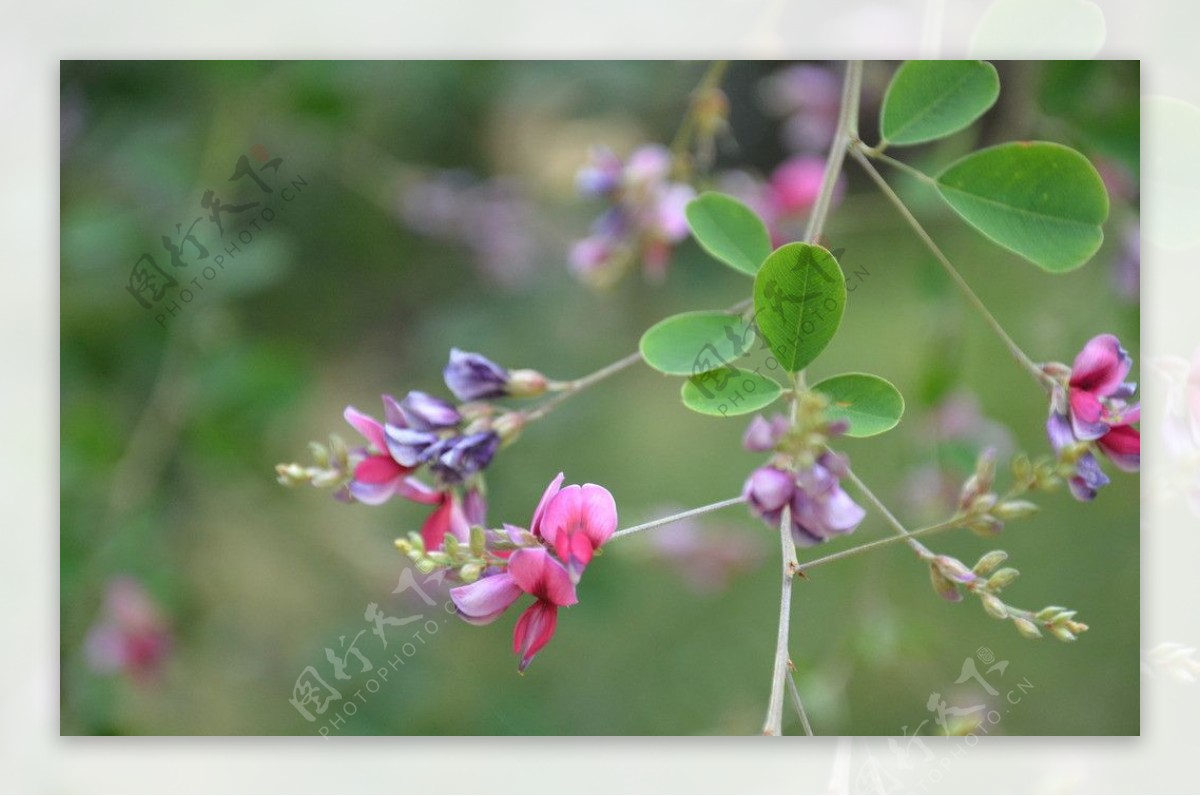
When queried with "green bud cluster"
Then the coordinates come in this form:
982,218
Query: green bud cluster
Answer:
330,468
467,560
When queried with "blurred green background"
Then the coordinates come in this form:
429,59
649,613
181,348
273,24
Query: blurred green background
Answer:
170,432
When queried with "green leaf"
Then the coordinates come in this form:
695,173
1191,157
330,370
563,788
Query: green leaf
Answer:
932,99
1044,201
799,296
870,405
729,231
695,342
727,392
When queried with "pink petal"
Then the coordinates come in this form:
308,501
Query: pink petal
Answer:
378,470
373,494
418,492
1085,415
1123,445
368,426
538,574
436,525
551,491
599,513
485,599
533,630
1101,366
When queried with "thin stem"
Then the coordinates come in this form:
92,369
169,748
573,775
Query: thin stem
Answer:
583,383
795,692
847,130
918,548
645,526
683,137
1022,359
862,548
774,722
912,171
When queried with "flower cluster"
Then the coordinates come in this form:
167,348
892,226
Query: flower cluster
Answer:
1089,408
545,562
809,486
645,218
424,433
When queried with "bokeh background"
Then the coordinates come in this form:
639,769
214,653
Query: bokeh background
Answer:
436,208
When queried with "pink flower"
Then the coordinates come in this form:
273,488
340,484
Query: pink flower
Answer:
131,635
576,521
532,571
1094,408
378,476
796,183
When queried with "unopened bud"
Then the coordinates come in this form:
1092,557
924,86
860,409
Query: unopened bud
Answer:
509,426
425,566
1057,371
1026,628
478,540
944,587
403,545
986,526
1022,468
954,569
525,383
994,606
989,562
1049,612
450,545
1015,509
319,453
469,573
1002,578
1062,634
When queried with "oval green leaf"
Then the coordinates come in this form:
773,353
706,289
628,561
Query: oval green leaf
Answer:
729,231
1044,201
927,100
799,297
696,342
870,405
726,392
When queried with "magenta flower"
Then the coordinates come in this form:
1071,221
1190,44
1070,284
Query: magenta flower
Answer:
795,184
1094,408
379,476
131,636
577,520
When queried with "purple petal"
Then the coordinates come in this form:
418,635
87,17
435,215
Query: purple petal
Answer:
485,599
425,412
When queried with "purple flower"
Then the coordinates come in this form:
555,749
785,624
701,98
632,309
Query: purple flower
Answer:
763,435
820,508
423,412
455,458
472,377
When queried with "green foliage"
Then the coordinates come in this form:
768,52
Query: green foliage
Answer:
927,100
799,297
729,231
1044,201
693,342
870,404
728,392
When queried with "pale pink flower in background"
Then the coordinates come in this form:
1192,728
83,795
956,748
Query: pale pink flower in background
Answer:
131,635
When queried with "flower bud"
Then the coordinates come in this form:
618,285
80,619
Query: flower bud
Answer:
1062,633
986,526
450,546
525,384
469,572
1002,578
473,376
1026,628
1015,509
478,540
954,569
994,606
509,426
945,588
989,561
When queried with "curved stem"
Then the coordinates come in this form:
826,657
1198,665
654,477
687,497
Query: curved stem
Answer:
683,137
847,130
645,526
1018,354
918,548
583,383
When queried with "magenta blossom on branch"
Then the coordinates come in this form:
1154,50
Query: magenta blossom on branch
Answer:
1089,407
573,522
